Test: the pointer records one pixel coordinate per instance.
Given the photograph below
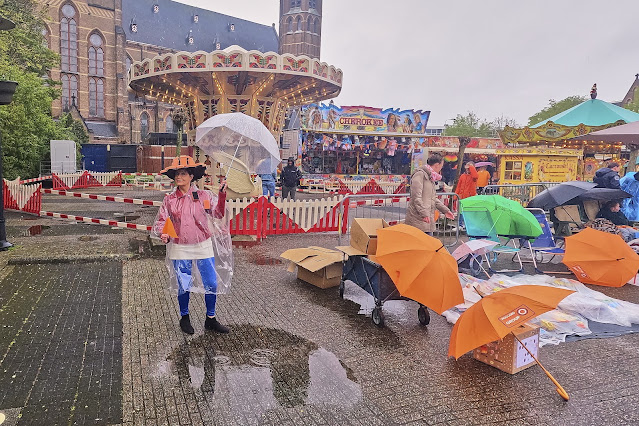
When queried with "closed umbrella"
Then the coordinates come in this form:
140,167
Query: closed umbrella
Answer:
420,266
560,194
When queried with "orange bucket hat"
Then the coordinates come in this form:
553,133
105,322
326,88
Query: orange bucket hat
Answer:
185,162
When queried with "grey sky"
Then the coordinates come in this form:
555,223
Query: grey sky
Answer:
493,57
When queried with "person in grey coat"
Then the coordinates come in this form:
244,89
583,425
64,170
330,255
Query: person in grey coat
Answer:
423,197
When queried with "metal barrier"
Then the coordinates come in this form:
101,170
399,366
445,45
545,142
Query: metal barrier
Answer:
392,208
520,193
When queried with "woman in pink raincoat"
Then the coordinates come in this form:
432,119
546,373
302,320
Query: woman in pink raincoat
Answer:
195,240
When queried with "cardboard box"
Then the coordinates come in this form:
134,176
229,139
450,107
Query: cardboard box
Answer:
316,265
363,236
508,354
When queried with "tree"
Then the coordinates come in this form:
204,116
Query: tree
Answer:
26,124
555,108
470,125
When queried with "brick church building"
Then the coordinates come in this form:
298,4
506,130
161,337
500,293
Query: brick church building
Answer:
97,41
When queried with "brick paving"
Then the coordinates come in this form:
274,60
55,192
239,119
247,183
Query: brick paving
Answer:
295,355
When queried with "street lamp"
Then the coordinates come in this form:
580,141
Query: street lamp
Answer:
7,89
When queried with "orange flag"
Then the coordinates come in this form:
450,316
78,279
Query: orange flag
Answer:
169,229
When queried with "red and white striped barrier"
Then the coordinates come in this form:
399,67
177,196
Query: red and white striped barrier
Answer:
26,198
137,201
97,221
38,179
86,180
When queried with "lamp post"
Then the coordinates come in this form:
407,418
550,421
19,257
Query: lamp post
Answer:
179,119
7,89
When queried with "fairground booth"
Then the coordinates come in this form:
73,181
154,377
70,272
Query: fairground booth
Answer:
561,132
354,145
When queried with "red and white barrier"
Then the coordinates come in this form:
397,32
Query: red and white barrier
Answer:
97,221
38,179
137,201
26,198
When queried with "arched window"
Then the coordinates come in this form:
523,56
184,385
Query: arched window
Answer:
68,39
168,124
69,90
289,24
312,4
317,26
96,97
309,26
96,55
299,23
144,125
129,61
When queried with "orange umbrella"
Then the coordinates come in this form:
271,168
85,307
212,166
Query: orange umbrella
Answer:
420,266
597,257
497,314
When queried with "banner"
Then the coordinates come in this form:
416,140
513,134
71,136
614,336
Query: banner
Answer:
322,117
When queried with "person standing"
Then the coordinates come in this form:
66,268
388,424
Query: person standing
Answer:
423,196
198,248
467,185
290,179
483,179
608,177
268,184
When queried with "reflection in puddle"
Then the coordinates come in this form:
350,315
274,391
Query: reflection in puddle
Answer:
392,308
253,370
36,230
260,259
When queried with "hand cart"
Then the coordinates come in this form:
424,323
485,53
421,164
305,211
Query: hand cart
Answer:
372,278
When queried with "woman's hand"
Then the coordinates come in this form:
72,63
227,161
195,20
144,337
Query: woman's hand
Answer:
223,186
426,219
450,215
165,238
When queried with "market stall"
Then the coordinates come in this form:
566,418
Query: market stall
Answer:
530,165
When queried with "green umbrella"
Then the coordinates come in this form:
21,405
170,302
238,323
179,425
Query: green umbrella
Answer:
510,218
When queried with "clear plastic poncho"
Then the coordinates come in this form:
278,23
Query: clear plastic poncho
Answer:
197,222
630,206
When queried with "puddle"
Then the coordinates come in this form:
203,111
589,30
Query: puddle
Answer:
254,369
400,310
35,230
245,244
260,259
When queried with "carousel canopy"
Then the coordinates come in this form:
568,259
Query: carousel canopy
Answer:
593,112
627,134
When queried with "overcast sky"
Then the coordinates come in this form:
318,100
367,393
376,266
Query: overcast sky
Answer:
493,57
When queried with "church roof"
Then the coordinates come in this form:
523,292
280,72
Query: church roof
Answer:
173,22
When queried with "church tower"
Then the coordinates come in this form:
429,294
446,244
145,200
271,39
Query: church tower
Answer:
301,27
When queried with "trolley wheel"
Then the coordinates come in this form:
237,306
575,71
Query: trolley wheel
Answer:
341,289
377,316
423,315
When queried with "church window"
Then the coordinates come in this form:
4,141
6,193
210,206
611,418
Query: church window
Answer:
69,40
144,125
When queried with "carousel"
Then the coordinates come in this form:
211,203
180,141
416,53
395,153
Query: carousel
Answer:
262,85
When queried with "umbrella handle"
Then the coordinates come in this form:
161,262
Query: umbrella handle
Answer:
560,390
237,148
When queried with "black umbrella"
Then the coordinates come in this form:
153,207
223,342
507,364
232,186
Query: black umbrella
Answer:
604,194
560,194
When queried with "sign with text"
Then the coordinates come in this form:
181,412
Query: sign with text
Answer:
517,316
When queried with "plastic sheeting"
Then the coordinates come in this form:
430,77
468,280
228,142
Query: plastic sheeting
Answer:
572,315
630,206
206,222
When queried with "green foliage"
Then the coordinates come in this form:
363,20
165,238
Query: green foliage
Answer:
470,125
555,108
26,124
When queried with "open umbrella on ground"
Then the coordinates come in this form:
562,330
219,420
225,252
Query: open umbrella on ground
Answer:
560,194
498,314
600,258
475,248
420,266
243,137
510,217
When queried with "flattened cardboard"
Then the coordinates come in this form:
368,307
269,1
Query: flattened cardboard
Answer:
363,236
507,354
316,265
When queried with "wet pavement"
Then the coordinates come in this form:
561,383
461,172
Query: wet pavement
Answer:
296,354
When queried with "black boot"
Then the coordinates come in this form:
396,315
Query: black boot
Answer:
213,324
185,325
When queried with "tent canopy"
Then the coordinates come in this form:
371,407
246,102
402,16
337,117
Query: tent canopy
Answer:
627,134
593,112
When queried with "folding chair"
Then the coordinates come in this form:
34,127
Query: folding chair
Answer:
566,216
543,244
480,225
591,208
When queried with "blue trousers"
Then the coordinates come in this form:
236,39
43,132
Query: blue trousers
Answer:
268,188
184,273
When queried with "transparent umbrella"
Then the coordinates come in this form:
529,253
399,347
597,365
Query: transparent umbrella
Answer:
242,137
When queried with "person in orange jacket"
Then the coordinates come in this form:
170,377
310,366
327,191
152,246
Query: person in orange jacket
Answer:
467,185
